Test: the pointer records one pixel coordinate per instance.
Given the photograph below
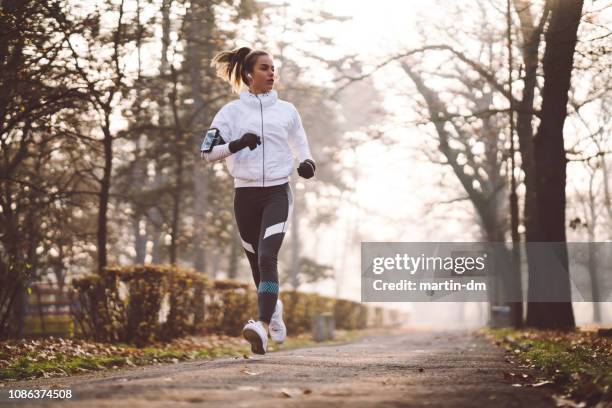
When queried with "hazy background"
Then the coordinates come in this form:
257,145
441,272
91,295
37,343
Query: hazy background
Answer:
114,96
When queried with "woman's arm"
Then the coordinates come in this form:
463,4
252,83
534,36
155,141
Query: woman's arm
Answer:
217,153
221,122
297,139
249,140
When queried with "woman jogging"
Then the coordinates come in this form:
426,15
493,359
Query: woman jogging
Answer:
258,136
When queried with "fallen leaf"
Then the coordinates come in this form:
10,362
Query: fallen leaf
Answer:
307,391
561,401
195,399
244,370
541,383
285,392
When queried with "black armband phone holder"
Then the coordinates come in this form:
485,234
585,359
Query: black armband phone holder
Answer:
212,138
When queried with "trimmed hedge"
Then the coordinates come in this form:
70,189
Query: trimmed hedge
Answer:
300,308
128,304
123,304
229,305
350,315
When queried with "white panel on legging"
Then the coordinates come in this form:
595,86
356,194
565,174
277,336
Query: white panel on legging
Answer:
274,229
247,246
290,199
282,226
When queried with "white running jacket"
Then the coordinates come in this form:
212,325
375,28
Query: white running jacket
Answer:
278,124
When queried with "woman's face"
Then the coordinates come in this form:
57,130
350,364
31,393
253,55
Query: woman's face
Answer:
262,77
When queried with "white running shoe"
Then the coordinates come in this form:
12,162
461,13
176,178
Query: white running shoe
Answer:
278,330
256,334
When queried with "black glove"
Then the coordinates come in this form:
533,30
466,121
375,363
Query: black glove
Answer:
248,139
307,169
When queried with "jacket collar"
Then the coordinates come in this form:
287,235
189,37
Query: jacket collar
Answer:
267,99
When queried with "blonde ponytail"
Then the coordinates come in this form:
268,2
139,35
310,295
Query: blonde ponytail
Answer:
233,66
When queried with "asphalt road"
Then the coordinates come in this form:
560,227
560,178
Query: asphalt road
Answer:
409,369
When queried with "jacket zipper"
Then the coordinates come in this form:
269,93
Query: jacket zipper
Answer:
263,146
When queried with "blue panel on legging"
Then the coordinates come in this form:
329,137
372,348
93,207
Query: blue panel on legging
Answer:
269,287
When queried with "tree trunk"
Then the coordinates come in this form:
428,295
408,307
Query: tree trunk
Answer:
156,231
593,267
179,158
165,11
531,35
105,193
487,200
606,187
21,304
153,219
551,163
516,308
139,170
593,256
140,240
199,53
295,242
176,208
524,128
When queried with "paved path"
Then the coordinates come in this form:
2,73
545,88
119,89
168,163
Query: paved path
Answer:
410,369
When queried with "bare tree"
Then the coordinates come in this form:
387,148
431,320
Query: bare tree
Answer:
549,151
104,81
34,186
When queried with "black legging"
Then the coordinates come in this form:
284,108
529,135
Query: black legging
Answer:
262,215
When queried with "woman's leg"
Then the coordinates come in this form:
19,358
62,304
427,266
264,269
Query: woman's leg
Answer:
277,207
248,214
